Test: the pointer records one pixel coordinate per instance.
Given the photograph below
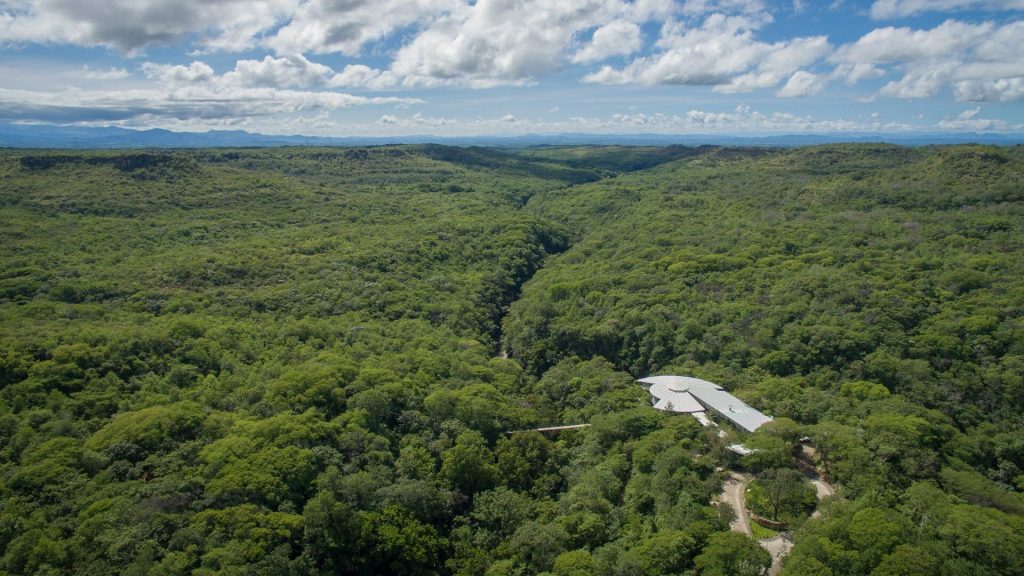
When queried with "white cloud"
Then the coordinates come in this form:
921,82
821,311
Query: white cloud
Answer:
108,74
920,82
702,7
177,74
853,73
283,72
743,119
361,76
345,26
195,102
721,52
888,45
969,120
969,113
254,88
781,60
885,9
616,38
131,25
645,10
1001,90
802,83
417,120
979,62
289,71
498,42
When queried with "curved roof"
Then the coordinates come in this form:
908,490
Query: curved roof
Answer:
685,394
672,393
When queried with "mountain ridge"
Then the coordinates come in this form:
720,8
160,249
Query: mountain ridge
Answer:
111,137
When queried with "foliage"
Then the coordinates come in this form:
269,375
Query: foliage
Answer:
781,494
327,361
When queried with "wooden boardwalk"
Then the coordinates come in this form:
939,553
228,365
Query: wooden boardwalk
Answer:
551,428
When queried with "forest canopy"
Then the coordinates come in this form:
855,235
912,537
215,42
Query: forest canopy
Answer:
329,360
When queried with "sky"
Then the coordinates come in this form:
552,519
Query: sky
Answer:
511,67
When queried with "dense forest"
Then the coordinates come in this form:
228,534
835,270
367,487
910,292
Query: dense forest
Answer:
329,360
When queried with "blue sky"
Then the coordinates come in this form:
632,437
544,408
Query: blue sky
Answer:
464,67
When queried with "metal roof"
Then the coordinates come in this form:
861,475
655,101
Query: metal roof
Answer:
687,395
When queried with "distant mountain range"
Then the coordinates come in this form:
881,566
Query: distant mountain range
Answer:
53,136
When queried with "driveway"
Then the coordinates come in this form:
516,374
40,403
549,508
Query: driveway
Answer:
733,492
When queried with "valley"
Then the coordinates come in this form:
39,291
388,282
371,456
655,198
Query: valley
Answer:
307,360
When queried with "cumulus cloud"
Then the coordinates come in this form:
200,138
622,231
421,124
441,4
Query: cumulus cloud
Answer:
108,74
802,83
345,26
177,74
515,39
75,106
417,120
1001,90
970,120
289,71
254,88
494,41
980,62
701,7
284,72
361,76
484,43
885,9
888,45
742,119
286,26
613,39
853,73
481,43
131,25
721,52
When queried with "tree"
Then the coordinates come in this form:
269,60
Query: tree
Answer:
523,458
500,512
782,494
907,560
469,465
396,543
329,534
803,565
665,552
732,554
874,532
536,545
573,563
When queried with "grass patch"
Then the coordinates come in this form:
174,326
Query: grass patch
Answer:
760,532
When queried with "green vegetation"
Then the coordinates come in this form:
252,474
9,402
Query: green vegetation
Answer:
291,361
781,495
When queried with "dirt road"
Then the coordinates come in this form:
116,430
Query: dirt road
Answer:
779,547
733,493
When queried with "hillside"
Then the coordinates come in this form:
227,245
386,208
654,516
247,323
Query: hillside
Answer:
307,360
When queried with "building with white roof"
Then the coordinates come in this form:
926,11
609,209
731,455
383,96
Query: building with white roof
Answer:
688,395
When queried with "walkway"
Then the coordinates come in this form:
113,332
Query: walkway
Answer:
551,428
734,492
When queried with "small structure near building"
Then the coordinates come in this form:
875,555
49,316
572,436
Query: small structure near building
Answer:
687,395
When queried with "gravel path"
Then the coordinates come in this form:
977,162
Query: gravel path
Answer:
733,493
779,547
